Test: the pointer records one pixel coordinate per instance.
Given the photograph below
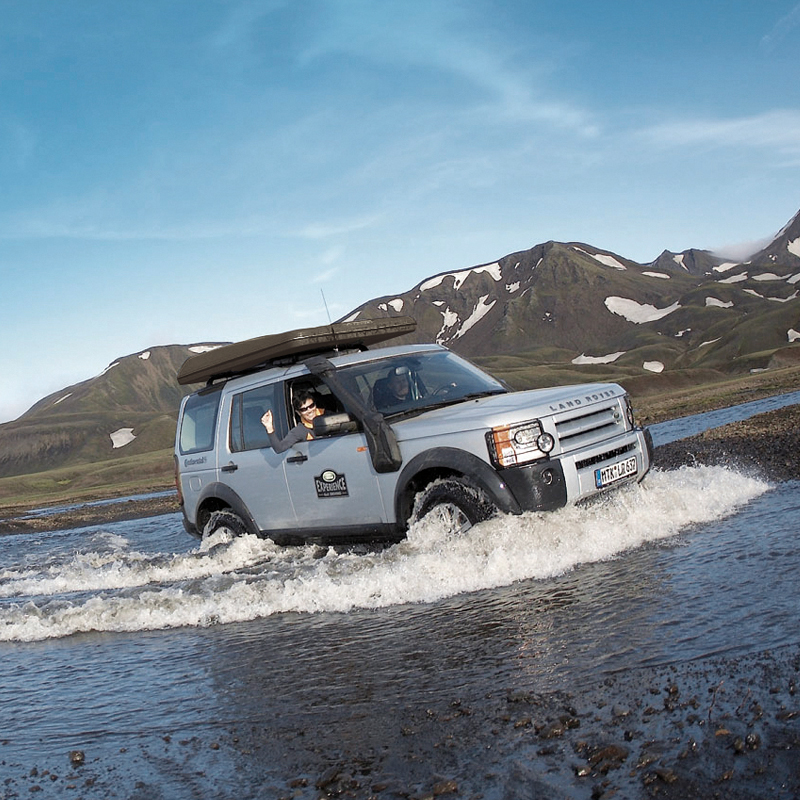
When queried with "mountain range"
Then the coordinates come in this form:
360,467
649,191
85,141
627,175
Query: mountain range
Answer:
556,313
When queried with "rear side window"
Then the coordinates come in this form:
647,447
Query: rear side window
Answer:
247,431
199,421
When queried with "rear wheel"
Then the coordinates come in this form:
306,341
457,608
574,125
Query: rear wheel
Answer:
225,520
454,502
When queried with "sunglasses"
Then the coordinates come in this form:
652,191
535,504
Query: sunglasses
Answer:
307,408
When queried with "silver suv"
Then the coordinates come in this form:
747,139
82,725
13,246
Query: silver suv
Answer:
407,431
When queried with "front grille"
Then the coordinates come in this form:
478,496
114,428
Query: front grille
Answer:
611,454
590,428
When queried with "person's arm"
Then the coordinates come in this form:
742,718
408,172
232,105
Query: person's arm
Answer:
297,434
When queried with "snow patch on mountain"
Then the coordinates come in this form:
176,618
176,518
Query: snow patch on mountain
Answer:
767,276
396,304
728,265
794,247
512,287
144,356
742,276
653,366
205,348
678,259
793,279
121,437
449,319
481,310
460,276
584,359
783,299
793,335
63,398
710,341
110,366
717,303
605,260
656,275
638,313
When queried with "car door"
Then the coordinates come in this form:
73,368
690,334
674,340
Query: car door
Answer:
252,468
332,483
331,480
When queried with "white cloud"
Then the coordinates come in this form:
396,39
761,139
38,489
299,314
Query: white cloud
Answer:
782,28
775,130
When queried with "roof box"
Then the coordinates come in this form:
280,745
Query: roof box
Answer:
241,357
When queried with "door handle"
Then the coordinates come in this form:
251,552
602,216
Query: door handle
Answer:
230,467
298,459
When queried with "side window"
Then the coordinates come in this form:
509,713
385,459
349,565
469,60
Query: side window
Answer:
199,421
247,408
323,397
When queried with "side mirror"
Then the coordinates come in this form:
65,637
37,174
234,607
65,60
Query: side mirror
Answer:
334,424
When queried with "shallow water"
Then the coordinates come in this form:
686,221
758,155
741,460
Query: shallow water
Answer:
674,429
228,668
141,648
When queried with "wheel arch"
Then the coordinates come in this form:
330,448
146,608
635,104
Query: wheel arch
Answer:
448,462
219,497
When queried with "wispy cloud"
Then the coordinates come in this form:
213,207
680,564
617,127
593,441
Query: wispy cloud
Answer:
778,130
503,85
325,230
782,28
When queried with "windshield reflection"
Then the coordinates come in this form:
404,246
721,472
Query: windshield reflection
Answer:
413,383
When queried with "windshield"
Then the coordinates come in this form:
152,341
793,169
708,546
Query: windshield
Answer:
415,382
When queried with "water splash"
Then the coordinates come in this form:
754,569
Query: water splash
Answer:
115,588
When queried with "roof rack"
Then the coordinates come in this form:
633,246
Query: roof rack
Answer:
251,354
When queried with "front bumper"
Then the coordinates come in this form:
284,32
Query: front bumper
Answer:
537,487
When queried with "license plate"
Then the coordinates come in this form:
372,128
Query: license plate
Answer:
615,472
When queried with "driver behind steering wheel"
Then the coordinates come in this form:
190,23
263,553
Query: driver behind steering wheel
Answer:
394,389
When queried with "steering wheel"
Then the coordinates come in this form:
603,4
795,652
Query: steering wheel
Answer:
445,389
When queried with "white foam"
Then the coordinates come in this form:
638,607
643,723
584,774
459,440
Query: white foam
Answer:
236,580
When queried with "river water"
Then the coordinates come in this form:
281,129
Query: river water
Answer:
234,668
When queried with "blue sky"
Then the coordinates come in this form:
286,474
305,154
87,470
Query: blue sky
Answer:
176,172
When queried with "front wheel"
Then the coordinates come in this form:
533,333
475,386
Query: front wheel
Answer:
225,520
455,503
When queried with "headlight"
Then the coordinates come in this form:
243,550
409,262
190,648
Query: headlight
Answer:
519,444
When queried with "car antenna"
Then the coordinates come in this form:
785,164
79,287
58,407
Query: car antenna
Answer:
330,321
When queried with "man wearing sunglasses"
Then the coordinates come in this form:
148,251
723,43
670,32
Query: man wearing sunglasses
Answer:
306,407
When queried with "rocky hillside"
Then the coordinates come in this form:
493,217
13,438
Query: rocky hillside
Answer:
559,312
130,408
572,304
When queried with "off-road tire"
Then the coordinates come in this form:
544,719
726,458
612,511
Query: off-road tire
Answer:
459,503
225,519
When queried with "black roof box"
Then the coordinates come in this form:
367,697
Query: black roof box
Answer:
241,357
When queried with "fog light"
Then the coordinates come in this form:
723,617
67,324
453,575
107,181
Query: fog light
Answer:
545,442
